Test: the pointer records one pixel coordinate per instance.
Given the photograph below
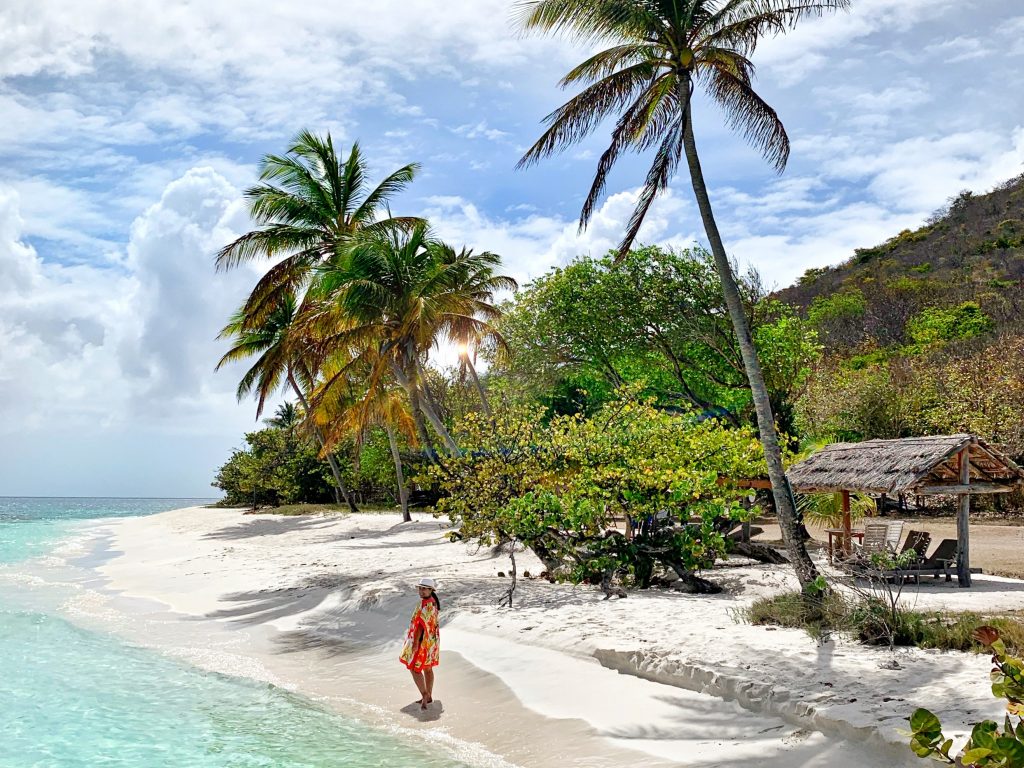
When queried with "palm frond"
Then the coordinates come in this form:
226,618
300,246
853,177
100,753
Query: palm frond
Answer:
748,113
666,160
578,117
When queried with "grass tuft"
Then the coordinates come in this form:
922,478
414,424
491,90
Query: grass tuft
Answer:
867,619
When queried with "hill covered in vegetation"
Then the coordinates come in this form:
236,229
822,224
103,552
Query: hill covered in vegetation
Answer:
923,333
969,252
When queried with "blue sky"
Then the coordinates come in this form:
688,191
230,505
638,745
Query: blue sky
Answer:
128,130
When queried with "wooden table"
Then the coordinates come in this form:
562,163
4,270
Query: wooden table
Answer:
840,534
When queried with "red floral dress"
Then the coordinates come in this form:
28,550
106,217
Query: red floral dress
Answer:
424,619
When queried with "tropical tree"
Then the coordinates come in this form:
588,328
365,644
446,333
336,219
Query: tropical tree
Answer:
660,51
392,297
286,417
479,281
343,413
309,204
280,363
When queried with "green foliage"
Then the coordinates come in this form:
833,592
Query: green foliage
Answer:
558,486
811,275
863,618
826,509
276,467
838,307
938,324
988,746
818,615
656,320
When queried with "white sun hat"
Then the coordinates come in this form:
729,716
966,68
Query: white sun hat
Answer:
427,582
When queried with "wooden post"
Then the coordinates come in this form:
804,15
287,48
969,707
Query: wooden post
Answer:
963,550
847,525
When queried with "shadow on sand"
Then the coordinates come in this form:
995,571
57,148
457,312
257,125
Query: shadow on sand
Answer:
431,714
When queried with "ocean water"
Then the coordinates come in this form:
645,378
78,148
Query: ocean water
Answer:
76,698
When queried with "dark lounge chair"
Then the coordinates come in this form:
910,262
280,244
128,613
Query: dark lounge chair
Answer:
941,562
918,541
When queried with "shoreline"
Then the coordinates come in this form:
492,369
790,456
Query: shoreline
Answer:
319,604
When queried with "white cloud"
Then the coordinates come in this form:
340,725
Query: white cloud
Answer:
480,130
959,49
531,245
809,48
89,345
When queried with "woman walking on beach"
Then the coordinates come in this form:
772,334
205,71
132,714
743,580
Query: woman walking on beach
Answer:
422,649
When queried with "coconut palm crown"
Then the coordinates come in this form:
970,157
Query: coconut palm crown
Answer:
661,50
310,203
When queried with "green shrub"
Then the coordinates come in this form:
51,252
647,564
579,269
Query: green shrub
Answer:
988,746
871,621
839,306
937,324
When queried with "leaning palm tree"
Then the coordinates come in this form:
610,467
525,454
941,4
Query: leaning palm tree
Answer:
660,52
309,204
276,344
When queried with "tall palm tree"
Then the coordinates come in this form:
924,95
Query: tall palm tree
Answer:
660,52
276,344
309,204
393,296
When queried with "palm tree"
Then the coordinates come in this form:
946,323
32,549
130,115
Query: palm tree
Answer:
309,204
286,417
393,296
660,51
279,364
479,280
347,416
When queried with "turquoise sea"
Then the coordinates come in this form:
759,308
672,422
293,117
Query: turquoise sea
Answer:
74,698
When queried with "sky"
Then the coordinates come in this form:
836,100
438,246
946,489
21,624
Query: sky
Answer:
129,130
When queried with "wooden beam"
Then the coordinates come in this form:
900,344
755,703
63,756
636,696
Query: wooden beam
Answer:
974,489
847,524
746,482
963,550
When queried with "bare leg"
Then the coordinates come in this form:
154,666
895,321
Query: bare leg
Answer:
428,682
417,678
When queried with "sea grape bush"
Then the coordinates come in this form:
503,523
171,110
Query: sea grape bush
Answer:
988,746
557,486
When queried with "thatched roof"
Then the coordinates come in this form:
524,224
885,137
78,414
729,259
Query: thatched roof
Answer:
909,465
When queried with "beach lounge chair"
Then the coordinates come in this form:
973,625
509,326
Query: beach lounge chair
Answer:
874,538
941,562
893,533
918,541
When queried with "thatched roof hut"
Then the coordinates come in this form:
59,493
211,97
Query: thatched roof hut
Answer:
917,465
960,465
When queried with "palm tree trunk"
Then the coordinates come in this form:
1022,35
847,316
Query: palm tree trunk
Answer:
420,404
479,387
417,411
806,571
339,484
403,494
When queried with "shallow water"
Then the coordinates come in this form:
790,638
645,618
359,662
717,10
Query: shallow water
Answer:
75,697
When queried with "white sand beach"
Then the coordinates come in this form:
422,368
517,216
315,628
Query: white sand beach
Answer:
319,605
